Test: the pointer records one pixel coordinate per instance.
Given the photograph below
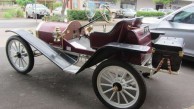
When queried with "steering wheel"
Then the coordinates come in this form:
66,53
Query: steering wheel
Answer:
105,12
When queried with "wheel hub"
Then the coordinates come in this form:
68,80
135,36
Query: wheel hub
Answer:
19,55
117,87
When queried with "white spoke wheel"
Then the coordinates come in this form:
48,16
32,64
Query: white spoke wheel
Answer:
19,54
118,85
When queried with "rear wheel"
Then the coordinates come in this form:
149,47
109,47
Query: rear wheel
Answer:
19,54
118,85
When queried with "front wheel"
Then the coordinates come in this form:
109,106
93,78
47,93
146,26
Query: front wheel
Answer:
19,54
36,16
118,85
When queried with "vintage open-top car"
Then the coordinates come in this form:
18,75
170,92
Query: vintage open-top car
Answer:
120,56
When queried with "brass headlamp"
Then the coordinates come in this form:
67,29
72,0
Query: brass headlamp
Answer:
57,34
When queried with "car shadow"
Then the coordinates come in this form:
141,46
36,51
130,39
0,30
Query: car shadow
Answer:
188,64
74,90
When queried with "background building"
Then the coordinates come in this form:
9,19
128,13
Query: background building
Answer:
180,3
145,4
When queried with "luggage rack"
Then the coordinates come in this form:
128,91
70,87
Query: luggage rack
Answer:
149,70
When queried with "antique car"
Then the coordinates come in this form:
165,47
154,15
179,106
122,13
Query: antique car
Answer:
119,57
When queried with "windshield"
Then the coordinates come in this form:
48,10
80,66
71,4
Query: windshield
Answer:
90,8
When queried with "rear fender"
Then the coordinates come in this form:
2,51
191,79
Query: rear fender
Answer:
109,50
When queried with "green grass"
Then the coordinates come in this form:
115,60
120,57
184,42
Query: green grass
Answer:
149,14
13,13
7,15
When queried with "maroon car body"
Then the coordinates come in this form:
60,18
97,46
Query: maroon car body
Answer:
123,32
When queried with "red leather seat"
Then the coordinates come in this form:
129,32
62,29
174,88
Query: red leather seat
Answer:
126,31
117,34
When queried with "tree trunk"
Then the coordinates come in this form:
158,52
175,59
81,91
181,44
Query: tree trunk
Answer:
65,2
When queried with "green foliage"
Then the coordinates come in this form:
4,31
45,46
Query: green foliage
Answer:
24,2
19,13
81,15
57,4
76,15
73,15
12,13
163,1
7,15
149,14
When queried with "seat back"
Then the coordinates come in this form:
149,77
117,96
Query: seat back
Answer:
99,39
126,31
117,34
139,37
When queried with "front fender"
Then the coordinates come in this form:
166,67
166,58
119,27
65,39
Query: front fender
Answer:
62,60
109,50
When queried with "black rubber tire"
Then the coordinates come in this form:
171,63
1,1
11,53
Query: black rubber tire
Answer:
146,75
137,76
35,16
39,16
28,49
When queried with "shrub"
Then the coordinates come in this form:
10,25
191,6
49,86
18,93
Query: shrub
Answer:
19,13
81,15
55,18
57,4
73,15
7,15
149,14
13,13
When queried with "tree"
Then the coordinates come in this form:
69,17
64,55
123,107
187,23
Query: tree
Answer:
165,2
65,2
24,2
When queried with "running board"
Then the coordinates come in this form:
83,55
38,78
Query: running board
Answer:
72,69
62,60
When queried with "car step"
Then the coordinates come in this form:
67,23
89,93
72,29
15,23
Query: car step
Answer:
73,69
